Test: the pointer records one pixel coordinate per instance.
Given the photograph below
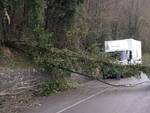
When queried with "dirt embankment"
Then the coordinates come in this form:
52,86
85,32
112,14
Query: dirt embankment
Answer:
16,88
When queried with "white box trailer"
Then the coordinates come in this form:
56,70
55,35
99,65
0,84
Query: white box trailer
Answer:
126,47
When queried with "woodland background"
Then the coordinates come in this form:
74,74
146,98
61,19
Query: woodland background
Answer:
71,33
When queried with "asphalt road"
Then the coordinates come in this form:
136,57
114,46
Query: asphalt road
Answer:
98,98
117,101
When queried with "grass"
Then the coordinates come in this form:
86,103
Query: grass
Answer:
146,59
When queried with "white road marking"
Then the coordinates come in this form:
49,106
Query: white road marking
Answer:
83,100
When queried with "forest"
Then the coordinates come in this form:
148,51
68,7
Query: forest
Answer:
50,46
71,33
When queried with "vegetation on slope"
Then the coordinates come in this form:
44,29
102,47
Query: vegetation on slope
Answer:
63,35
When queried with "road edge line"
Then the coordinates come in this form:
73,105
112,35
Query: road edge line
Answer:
83,100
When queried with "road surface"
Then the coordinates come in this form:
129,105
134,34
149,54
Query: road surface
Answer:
95,97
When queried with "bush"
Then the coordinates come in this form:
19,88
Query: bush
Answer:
113,70
144,69
56,86
129,71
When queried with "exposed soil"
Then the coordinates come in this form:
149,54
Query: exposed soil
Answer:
16,103
16,94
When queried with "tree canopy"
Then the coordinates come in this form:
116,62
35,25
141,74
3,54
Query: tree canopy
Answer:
38,26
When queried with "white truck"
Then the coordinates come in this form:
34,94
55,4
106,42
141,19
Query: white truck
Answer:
129,49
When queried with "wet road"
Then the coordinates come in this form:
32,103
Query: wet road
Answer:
117,101
95,97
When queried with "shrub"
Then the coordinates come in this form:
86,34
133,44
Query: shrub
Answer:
56,86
